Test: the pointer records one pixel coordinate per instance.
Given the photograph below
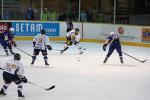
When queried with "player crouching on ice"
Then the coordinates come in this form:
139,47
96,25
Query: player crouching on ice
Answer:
73,37
41,44
13,72
7,40
114,41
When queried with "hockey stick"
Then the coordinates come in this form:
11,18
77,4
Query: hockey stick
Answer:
1,68
56,49
142,61
23,52
47,89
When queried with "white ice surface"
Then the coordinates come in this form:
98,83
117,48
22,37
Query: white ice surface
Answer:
87,79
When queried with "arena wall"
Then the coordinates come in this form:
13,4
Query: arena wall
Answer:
90,32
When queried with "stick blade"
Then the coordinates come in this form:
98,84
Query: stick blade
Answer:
52,87
144,61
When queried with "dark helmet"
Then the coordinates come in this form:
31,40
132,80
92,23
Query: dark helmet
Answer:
77,29
43,31
17,56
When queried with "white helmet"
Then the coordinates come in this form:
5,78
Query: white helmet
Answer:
112,33
12,29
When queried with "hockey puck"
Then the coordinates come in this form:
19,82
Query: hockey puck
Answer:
79,60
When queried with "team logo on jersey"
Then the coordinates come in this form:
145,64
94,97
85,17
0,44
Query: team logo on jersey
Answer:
13,66
3,27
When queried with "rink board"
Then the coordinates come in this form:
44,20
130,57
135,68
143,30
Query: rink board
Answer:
90,32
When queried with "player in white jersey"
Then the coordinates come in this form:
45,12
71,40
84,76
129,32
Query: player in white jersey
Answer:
13,72
73,37
41,44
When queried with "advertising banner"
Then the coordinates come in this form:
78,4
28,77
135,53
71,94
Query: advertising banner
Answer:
145,34
4,26
33,28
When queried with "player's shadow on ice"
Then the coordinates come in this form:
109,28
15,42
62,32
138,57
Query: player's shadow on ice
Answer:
120,65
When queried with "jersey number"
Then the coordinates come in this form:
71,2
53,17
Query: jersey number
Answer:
40,40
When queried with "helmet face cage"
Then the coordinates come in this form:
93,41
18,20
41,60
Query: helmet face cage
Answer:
43,31
77,29
11,29
17,56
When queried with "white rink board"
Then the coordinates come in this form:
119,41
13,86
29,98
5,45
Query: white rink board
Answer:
101,31
96,31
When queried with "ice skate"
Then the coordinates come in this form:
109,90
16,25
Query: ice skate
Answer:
2,93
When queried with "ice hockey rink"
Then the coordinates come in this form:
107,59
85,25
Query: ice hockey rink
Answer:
83,77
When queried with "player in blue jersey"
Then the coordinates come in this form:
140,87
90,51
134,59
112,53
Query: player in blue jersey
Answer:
7,40
114,42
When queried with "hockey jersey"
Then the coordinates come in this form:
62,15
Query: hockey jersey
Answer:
14,67
6,36
72,34
114,37
41,41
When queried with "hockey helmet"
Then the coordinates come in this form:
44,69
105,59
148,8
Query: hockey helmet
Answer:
43,31
12,29
17,56
112,33
77,29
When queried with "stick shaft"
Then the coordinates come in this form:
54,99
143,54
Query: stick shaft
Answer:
132,56
23,52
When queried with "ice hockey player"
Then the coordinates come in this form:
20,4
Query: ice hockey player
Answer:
41,44
73,37
69,24
7,41
13,72
114,43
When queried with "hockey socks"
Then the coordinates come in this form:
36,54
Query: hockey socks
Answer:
6,52
45,59
121,59
33,60
3,89
11,51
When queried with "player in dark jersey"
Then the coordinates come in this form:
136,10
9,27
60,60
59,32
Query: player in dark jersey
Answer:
7,40
69,25
114,41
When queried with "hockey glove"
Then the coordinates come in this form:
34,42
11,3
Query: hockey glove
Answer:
34,44
104,47
75,42
24,79
49,47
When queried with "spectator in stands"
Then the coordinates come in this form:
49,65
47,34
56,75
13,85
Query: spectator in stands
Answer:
53,15
62,16
89,15
6,16
83,16
30,14
45,14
